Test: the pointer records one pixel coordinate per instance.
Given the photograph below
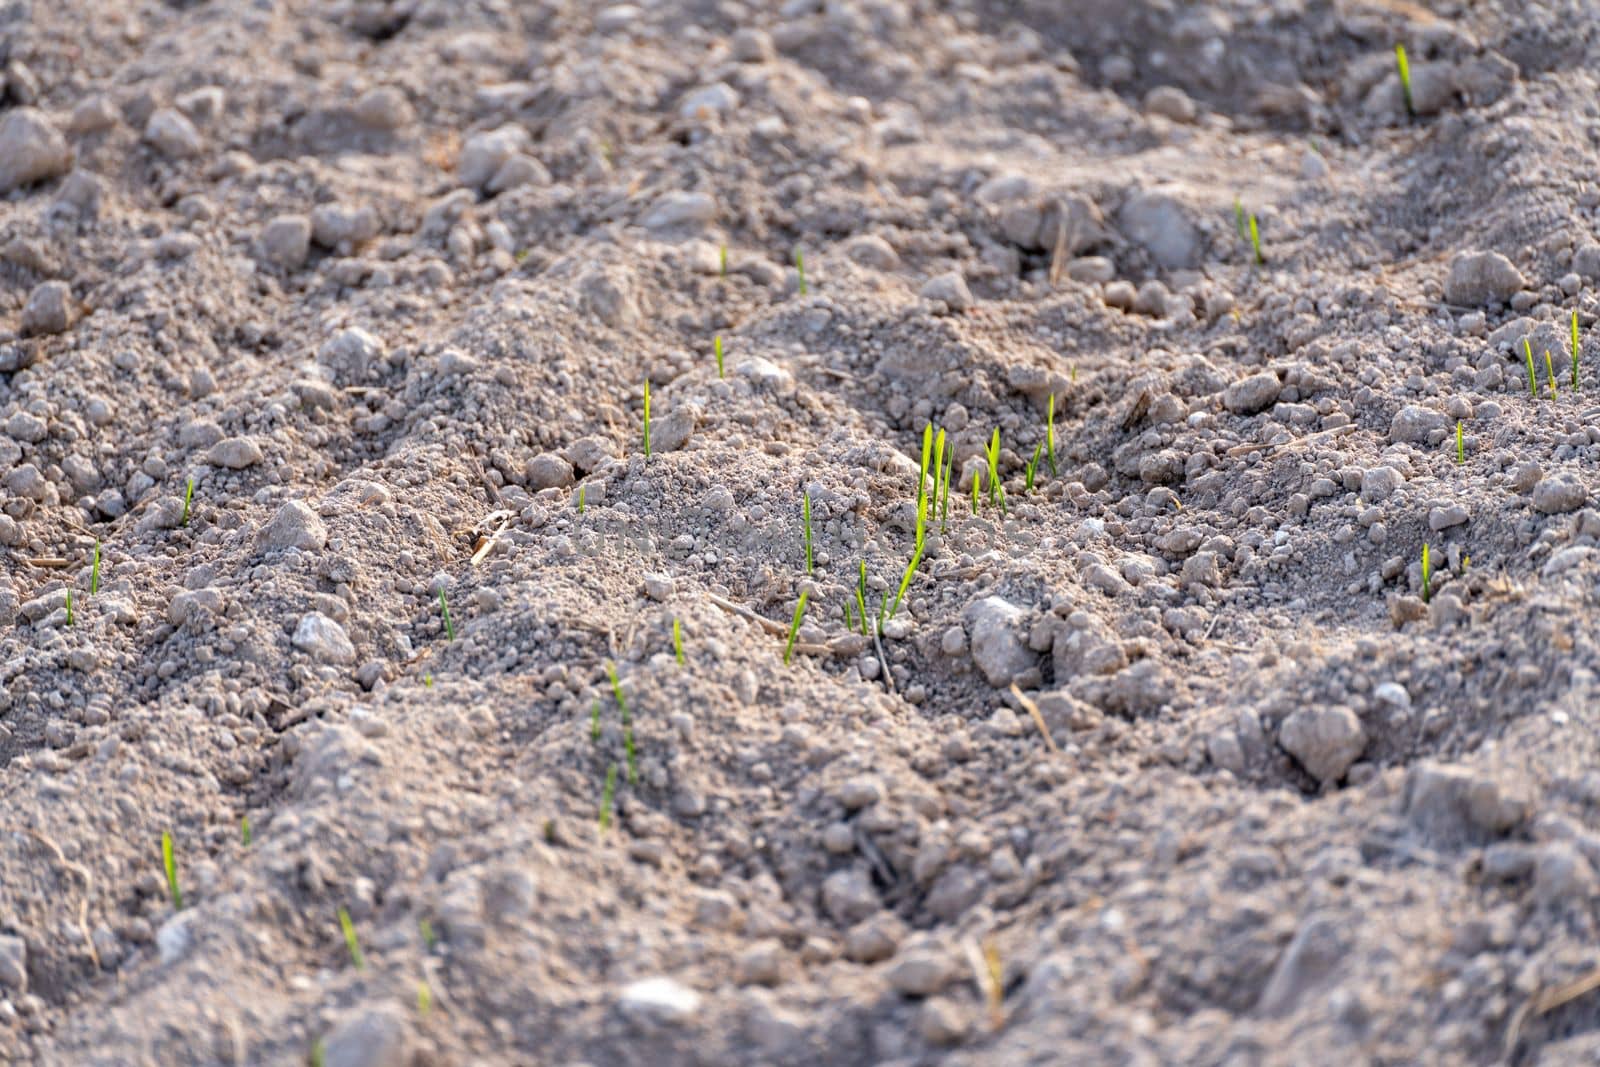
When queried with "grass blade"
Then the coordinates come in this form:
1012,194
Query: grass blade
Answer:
608,795
1550,373
1533,382
188,496
444,610
245,836
861,598
800,269
794,627
1461,447
716,346
1255,242
1404,68
1050,431
1427,574
677,640
1033,465
351,942
94,573
1574,350
170,864
805,508
647,418
627,725
69,605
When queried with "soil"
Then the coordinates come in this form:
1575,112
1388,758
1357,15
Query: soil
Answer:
1255,723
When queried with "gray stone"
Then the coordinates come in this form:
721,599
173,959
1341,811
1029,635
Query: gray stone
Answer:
874,939
295,525
1308,963
659,1000
521,169
1562,876
1559,494
1379,483
1161,225
384,108
48,310
1325,740
1449,805
173,135
334,225
1479,278
351,353
848,896
286,241
671,431
25,426
1250,395
13,963
548,471
870,250
709,102
921,970
679,209
234,453
949,289
324,639
371,1037
485,153
1416,425
998,639
31,149
1171,102
1445,516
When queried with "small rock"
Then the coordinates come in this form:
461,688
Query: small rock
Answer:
659,1000
48,310
870,250
234,453
1250,395
1445,516
1559,494
1562,876
1162,226
384,108
943,1021
998,639
848,896
173,135
708,103
1309,962
547,471
874,939
660,587
671,431
1379,483
861,792
1417,425
678,209
295,525
485,153
370,1037
761,964
334,225
949,289
324,639
13,963
1170,102
920,970
31,149
1479,278
1326,740
286,241
1451,805
351,354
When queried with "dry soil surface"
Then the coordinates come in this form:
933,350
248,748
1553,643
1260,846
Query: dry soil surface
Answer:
1254,723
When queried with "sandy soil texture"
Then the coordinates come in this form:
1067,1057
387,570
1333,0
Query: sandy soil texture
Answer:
1227,694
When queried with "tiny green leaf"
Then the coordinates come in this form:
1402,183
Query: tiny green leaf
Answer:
94,572
1404,68
805,508
647,418
1255,242
444,610
245,836
188,496
350,940
794,626
800,269
170,864
1533,382
1427,574
716,346
677,640
1461,447
608,794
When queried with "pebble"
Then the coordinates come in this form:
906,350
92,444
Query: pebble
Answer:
949,289
173,135
1307,963
1249,395
31,149
1480,278
1559,494
324,639
370,1037
1562,876
862,792
335,226
484,154
943,1021
295,525
874,939
49,309
286,241
13,963
1417,425
1162,226
1446,516
659,1000
848,896
384,108
351,353
870,250
547,471
1171,102
920,970
679,210
760,964
709,102
1451,805
998,640
234,453
1325,740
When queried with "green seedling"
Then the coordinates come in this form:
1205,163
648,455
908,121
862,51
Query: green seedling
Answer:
800,269
188,497
997,492
1074,376
608,795
1550,373
245,836
429,938
794,626
444,610
94,572
424,999
861,598
1255,242
1404,68
922,522
1461,446
350,940
716,346
427,680
1033,465
1427,574
805,511
975,482
1574,350
1238,219
722,262
944,489
677,640
849,617
69,607
319,1053
647,418
594,723
1050,429
170,864
627,724
1533,382
583,491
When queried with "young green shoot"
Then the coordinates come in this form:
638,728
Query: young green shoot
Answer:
319,1053
1550,373
627,724
861,598
647,418
1255,242
922,522
677,640
1461,446
944,489
424,999
794,626
594,722
444,611
975,482
188,497
1033,465
997,492
716,346
427,680
800,269
1427,574
429,938
170,864
94,572
1574,350
351,942
69,606
245,836
722,262
1238,219
582,492
1533,381
1404,68
1050,430
608,795
805,512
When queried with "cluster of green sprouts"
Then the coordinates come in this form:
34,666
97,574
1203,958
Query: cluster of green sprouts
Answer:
1249,230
